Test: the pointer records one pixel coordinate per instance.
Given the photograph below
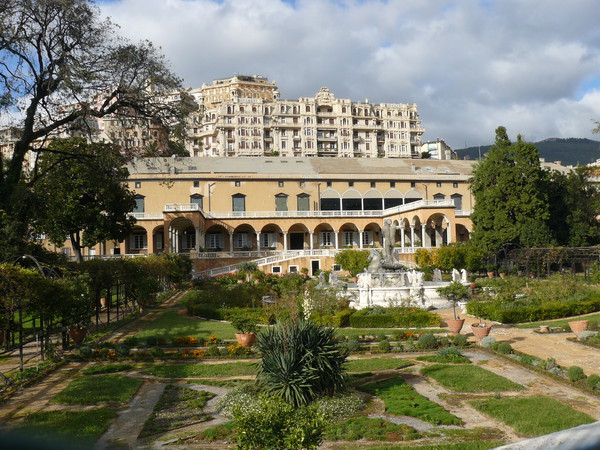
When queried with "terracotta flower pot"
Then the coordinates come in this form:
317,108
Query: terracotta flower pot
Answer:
455,325
245,339
103,302
577,326
490,274
77,335
481,331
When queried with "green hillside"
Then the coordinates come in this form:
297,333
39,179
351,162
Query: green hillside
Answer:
572,151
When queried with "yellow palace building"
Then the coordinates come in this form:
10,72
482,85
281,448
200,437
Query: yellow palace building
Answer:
291,213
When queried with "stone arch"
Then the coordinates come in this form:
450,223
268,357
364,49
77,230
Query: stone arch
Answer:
298,237
215,238
244,237
158,239
324,235
349,235
463,234
137,240
438,230
182,235
371,235
270,236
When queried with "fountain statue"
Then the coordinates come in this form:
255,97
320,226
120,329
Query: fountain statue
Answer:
386,280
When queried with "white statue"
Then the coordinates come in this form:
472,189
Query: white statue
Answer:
437,275
375,264
463,276
333,279
455,275
364,280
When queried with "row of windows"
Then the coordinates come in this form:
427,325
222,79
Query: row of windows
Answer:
196,184
326,204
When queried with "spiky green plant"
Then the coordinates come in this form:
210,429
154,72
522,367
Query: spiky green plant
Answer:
301,361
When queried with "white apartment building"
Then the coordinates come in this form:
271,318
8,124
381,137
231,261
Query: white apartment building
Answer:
244,116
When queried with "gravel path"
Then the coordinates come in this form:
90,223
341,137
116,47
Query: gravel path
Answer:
553,345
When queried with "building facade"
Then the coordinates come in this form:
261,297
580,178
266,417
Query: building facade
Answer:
244,116
298,211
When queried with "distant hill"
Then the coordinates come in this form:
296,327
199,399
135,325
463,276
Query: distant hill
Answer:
572,151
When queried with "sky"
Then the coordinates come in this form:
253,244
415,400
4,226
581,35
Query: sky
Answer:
532,66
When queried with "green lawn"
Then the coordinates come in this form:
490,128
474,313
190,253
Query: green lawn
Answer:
201,369
357,428
94,390
171,325
560,322
533,416
368,364
402,400
63,429
466,378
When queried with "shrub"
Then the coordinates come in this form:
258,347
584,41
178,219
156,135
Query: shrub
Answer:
384,346
504,347
273,423
339,407
551,363
354,261
587,335
557,371
157,352
427,341
85,351
213,350
352,345
460,340
122,350
488,341
342,318
450,353
244,324
400,317
300,362
575,373
593,382
151,341
131,341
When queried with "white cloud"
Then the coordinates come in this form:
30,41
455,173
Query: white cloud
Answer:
469,65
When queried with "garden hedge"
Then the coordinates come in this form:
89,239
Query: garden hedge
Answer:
394,318
510,312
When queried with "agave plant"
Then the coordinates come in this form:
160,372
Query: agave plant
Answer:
301,361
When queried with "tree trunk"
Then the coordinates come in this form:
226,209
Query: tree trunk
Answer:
75,243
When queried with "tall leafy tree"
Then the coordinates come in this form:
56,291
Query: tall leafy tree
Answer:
63,66
574,205
511,204
83,196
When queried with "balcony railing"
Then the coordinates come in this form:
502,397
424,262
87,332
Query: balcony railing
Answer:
147,215
191,207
